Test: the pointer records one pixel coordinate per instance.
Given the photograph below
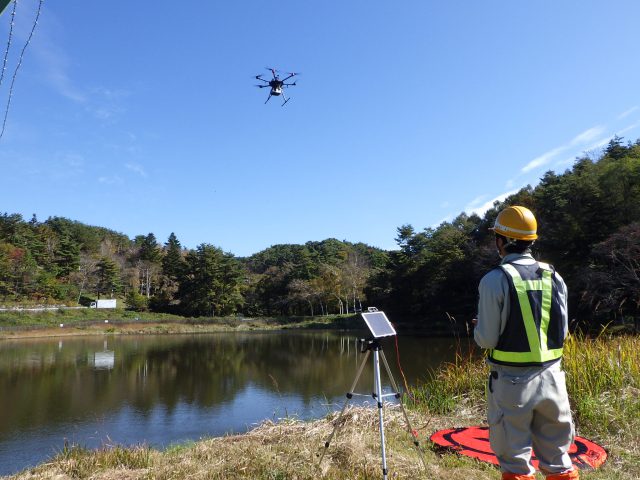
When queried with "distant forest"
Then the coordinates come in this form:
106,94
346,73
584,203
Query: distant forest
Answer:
588,222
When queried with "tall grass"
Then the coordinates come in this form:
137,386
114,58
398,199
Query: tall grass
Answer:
79,462
461,381
603,380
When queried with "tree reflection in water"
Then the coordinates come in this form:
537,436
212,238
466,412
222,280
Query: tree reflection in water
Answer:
165,389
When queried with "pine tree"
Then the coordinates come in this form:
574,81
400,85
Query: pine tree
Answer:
67,256
173,264
108,277
149,249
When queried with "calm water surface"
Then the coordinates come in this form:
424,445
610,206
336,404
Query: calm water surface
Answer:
162,390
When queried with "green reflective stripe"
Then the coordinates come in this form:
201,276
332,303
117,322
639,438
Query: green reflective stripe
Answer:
533,284
545,317
525,308
526,357
536,338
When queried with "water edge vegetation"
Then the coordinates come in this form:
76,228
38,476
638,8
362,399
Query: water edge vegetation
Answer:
603,378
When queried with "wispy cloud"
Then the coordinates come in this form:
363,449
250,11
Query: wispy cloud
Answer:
102,103
136,168
577,141
586,136
480,205
588,142
72,160
628,128
543,159
55,62
111,180
627,112
594,148
597,144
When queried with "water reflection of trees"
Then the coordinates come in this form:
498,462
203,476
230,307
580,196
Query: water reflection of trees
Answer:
48,382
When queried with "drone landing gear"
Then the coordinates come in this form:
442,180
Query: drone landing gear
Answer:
283,103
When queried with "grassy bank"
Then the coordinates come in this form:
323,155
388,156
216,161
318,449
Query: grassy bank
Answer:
603,377
603,381
63,322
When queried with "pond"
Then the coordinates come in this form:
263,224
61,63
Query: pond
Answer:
165,389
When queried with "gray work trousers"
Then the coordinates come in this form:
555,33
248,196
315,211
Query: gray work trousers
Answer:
528,408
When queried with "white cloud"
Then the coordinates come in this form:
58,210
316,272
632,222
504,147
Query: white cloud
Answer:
111,180
73,160
543,159
586,136
627,112
598,144
448,218
565,163
54,61
102,103
480,208
580,139
628,128
136,168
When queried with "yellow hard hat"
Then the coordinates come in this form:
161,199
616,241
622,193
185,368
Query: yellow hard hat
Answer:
516,222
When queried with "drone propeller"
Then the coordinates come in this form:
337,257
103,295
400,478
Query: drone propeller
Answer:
261,86
289,75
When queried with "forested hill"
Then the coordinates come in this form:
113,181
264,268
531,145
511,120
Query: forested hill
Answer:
588,221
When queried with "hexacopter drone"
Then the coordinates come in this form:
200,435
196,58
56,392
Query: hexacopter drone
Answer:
277,84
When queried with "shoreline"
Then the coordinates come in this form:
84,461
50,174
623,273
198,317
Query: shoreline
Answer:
289,448
129,328
62,323
283,449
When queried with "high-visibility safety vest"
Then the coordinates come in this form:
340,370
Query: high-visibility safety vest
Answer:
534,333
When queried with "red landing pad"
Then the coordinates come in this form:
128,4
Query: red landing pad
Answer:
474,442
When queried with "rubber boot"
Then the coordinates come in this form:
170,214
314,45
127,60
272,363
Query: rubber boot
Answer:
517,476
570,475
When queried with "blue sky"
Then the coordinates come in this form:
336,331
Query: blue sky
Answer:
142,116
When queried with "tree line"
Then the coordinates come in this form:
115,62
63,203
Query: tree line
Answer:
588,221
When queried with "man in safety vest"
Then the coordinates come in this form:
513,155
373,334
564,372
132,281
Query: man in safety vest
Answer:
522,320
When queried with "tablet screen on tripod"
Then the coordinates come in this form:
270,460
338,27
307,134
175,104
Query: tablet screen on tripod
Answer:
379,324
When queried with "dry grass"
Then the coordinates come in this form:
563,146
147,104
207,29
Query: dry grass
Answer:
285,450
291,450
603,384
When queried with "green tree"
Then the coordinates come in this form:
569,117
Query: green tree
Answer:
108,277
149,249
212,283
67,256
173,264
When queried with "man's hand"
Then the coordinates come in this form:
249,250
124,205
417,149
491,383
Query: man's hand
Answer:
474,321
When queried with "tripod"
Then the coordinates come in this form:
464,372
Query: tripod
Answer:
368,347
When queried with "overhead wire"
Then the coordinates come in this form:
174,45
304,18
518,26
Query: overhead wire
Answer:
15,72
6,52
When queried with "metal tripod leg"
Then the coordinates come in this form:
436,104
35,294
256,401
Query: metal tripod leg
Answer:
378,396
344,406
410,429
